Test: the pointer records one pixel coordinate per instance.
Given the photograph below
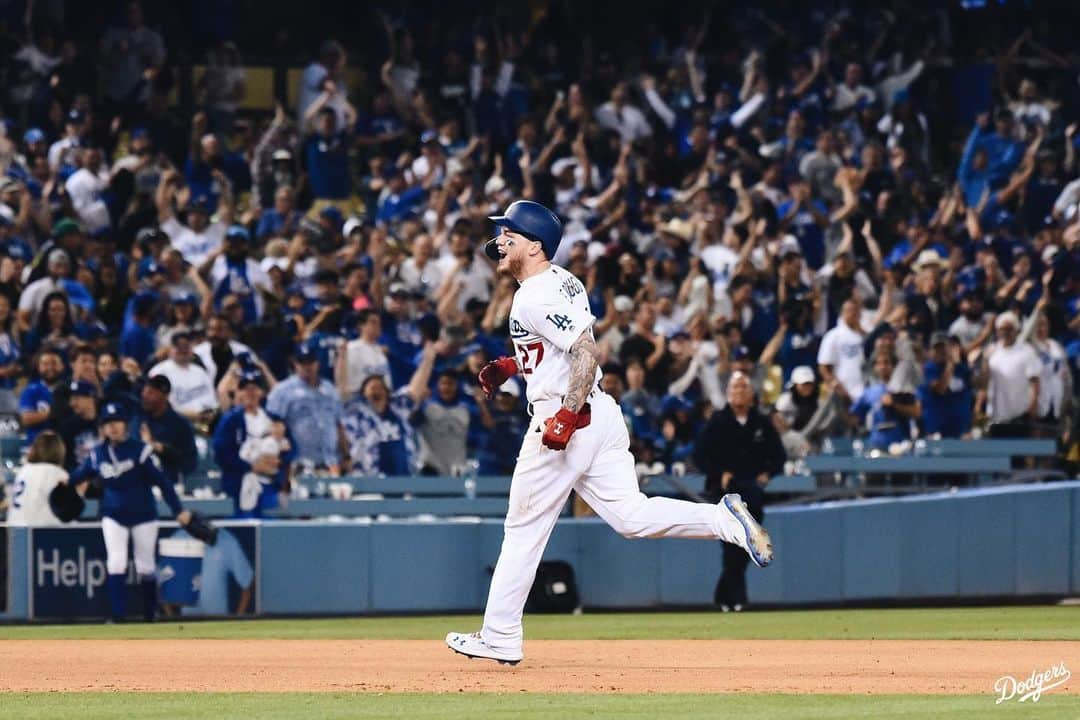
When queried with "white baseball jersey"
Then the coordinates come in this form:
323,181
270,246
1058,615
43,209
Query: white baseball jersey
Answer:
30,499
549,313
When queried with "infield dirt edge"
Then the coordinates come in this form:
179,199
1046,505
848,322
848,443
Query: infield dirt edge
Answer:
582,666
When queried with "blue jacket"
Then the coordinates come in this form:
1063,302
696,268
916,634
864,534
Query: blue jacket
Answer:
127,473
229,437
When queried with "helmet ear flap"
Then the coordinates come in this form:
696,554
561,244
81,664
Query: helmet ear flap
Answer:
491,249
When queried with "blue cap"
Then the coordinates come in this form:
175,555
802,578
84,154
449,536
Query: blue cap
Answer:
532,220
238,232
675,403
306,352
113,411
741,353
140,133
149,235
250,377
148,267
75,115
966,292
83,388
246,361
199,204
1002,219
659,194
971,276
94,330
144,302
334,215
17,251
33,135
185,299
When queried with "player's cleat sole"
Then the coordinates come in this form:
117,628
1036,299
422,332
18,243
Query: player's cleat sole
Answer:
472,646
758,543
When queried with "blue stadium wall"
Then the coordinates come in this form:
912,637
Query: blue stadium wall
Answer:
1010,541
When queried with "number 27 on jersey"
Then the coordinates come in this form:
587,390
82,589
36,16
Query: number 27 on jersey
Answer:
531,355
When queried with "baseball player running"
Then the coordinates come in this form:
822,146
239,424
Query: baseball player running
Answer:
576,440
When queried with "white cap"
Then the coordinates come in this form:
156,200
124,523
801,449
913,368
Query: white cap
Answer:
790,244
353,223
802,374
927,257
1006,318
281,263
623,303
562,164
682,229
495,184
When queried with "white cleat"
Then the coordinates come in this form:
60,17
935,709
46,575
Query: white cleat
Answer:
757,543
471,645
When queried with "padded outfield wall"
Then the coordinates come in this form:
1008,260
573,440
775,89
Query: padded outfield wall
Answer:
1012,541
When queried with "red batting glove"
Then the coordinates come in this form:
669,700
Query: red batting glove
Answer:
495,373
558,429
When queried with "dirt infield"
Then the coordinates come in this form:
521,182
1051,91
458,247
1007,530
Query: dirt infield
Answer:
602,666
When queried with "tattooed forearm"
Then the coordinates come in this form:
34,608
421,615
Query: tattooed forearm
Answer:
584,357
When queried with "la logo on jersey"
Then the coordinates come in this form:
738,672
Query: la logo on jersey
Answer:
561,322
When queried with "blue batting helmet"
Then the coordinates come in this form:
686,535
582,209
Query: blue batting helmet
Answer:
532,220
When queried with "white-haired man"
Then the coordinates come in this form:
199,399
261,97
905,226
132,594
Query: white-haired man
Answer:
1011,398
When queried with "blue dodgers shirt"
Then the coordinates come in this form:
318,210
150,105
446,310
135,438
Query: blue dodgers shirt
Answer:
35,397
810,235
312,414
948,414
9,354
382,443
328,166
885,424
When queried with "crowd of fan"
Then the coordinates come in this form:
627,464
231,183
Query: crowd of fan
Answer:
797,215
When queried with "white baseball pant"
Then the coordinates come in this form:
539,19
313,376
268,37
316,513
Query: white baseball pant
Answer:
598,465
143,537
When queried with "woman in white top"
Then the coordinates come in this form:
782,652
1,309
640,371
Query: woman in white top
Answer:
42,472
363,357
1055,381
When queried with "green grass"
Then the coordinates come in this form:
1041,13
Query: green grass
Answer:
178,706
1005,623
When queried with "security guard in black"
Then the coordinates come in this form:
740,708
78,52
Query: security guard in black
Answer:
738,450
